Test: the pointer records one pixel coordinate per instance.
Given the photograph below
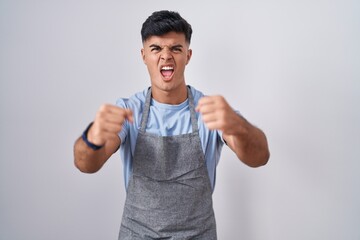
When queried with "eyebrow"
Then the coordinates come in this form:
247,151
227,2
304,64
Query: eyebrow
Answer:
175,46
154,45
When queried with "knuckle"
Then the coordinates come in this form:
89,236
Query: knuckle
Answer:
103,107
218,97
100,114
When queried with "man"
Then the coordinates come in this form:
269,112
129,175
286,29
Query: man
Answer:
170,138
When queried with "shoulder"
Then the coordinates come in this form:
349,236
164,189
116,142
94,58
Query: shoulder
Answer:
135,101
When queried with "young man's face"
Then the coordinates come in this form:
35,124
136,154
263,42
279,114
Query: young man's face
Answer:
166,57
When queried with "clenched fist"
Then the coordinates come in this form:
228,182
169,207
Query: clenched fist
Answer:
108,123
217,114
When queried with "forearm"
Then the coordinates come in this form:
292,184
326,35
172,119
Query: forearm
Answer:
247,141
102,132
249,144
88,160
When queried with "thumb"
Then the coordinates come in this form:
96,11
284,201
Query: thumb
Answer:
129,115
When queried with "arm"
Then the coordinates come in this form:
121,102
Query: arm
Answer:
103,132
88,160
245,140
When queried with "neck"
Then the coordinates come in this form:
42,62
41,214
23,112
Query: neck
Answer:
173,97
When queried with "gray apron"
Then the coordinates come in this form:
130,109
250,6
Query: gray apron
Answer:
169,194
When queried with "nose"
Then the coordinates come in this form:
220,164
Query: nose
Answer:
166,54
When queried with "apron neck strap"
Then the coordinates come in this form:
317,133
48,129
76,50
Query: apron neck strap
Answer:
146,110
192,111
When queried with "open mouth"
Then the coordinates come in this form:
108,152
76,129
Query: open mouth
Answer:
167,72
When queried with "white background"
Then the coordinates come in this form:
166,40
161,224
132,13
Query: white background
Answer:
290,67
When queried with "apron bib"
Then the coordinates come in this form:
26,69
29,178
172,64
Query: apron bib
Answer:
169,194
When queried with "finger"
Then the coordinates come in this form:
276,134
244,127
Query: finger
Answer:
98,129
211,100
203,101
213,125
120,117
129,115
111,127
114,114
206,109
108,108
108,123
125,113
209,117
206,100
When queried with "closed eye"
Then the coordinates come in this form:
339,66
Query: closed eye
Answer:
177,48
155,49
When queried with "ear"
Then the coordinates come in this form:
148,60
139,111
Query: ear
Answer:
189,54
143,55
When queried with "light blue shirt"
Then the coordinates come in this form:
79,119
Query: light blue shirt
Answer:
167,120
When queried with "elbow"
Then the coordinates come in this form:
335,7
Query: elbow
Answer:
257,160
83,167
264,159
260,157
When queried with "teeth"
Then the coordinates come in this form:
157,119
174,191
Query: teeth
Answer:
167,68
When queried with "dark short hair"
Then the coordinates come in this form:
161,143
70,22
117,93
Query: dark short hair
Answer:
162,22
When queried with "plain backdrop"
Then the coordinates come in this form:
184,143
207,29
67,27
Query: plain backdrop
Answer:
291,68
